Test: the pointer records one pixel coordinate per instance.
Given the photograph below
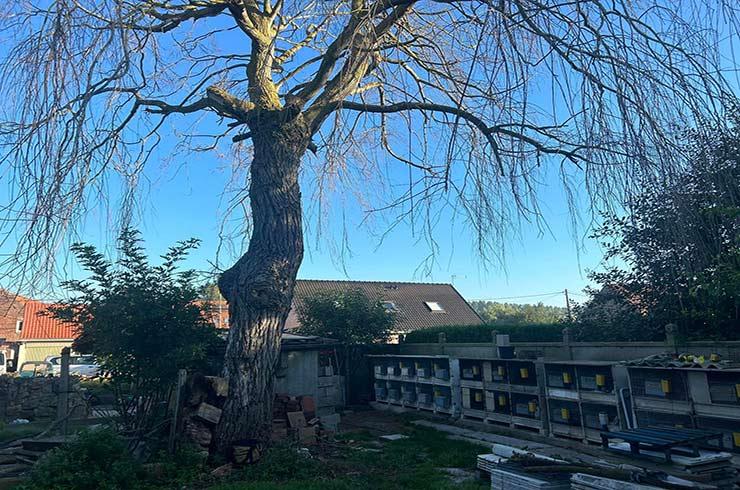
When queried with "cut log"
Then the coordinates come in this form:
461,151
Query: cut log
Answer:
208,413
307,435
296,419
308,405
198,432
219,385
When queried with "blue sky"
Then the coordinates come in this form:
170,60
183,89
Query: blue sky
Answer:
182,198
185,201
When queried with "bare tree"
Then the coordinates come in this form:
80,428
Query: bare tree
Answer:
476,98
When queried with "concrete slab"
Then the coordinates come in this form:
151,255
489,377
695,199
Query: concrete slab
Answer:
394,437
491,439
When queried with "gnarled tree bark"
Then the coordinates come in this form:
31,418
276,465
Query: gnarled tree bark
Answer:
259,287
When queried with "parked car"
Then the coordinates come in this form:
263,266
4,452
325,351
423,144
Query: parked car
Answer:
79,365
35,369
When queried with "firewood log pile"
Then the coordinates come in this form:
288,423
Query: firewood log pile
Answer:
294,418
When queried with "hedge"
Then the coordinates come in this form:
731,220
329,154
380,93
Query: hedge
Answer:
482,333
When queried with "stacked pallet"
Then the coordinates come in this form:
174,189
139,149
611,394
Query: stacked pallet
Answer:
710,467
580,481
512,476
487,462
716,470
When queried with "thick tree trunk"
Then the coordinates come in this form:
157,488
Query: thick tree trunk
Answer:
259,287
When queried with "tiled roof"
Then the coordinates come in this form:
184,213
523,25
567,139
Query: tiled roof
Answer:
11,310
408,298
38,326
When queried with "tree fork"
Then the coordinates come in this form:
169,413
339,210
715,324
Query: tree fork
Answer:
259,287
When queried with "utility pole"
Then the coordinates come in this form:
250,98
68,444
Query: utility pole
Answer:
567,305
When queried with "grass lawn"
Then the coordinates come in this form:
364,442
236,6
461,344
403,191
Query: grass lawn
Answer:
19,431
359,460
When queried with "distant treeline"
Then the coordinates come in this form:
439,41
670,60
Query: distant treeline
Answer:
495,313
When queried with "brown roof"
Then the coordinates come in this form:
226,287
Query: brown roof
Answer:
408,298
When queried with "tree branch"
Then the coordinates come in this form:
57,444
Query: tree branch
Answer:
216,98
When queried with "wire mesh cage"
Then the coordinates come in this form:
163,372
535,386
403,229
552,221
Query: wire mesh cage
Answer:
564,412
669,384
379,368
499,372
441,369
661,419
425,395
595,378
525,405
472,370
408,392
522,373
498,401
596,414
407,368
381,392
394,391
730,429
423,368
560,376
724,388
442,396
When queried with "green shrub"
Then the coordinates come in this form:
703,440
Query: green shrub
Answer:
482,333
96,459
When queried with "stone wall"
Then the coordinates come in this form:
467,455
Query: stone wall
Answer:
35,398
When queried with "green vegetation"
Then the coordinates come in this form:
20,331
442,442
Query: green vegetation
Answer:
352,318
355,460
19,431
100,459
677,251
509,314
482,333
96,459
414,463
142,323
348,316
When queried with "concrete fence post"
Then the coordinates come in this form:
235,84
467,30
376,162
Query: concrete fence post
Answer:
670,338
567,341
442,338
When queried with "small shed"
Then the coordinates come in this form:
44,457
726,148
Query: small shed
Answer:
308,366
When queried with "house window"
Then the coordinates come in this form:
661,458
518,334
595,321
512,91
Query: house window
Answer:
389,306
434,307
327,363
18,326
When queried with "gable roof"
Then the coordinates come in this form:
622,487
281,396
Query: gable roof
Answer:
11,311
38,326
409,300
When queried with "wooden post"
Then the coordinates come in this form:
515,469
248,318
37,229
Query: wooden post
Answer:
63,392
182,376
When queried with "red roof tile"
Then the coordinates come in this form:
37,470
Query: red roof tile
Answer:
38,326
